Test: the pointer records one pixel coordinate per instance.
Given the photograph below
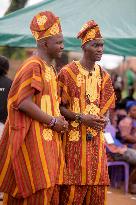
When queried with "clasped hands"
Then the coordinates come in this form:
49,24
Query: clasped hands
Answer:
96,122
61,125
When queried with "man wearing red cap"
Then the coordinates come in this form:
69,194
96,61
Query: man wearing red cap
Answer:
31,159
86,96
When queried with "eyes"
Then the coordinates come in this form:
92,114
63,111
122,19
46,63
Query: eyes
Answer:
97,45
60,42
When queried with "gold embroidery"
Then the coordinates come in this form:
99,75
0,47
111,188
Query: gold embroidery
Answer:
46,104
74,124
41,20
92,109
81,69
54,29
47,134
98,75
91,34
79,80
92,131
76,107
47,73
93,81
57,110
73,135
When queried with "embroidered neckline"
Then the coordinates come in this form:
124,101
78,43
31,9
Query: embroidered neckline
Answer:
85,72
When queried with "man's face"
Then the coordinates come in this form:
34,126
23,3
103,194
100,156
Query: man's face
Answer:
55,46
94,49
132,112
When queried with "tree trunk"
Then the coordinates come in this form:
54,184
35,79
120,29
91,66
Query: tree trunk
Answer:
15,5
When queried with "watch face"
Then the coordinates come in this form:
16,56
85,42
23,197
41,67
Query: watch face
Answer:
78,118
89,137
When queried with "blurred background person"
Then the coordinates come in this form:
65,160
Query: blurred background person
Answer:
5,84
130,95
127,126
116,150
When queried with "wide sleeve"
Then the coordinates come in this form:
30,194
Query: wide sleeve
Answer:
27,82
107,100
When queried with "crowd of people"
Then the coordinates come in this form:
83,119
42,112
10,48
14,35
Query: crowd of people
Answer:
52,149
122,129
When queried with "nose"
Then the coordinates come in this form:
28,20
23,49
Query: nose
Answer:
100,48
62,46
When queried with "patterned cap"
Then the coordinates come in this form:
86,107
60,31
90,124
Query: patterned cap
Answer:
45,24
89,31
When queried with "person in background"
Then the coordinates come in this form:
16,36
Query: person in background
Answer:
118,87
115,149
31,157
127,126
5,84
130,96
86,94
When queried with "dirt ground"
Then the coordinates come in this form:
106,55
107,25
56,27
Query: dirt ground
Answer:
117,197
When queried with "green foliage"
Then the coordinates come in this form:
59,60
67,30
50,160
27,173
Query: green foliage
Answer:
14,53
15,5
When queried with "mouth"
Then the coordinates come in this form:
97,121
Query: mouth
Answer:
99,55
60,53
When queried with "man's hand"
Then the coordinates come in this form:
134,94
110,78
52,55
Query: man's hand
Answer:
94,121
61,125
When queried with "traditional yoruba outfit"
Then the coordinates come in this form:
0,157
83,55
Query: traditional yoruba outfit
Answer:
86,175
31,159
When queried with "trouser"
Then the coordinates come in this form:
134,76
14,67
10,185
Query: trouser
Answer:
84,194
42,197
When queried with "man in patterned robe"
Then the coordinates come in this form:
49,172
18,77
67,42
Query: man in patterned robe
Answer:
86,96
31,159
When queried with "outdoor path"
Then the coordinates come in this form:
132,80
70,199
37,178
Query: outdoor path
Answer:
117,197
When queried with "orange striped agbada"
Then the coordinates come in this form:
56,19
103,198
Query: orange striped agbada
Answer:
30,153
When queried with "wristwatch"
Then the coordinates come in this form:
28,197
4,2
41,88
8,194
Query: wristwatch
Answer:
78,118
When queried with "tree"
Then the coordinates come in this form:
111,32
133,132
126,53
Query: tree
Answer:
8,51
15,5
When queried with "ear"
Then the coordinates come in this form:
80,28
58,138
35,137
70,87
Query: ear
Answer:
42,42
45,42
85,47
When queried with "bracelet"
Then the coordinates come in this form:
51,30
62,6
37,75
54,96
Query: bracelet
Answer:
52,122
